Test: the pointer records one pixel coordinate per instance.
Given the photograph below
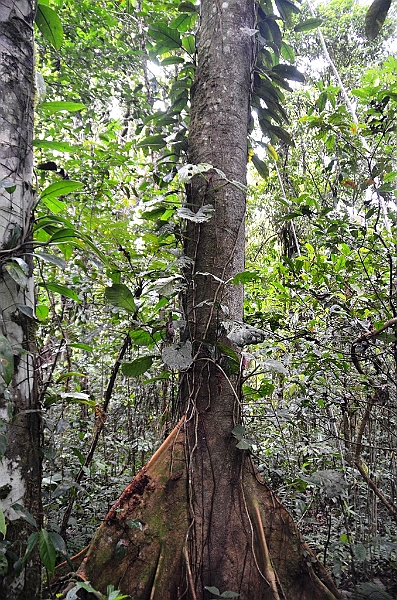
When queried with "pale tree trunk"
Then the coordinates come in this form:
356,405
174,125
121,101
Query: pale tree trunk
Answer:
20,472
198,516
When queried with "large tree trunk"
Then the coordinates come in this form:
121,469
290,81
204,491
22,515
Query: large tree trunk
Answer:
204,517
20,471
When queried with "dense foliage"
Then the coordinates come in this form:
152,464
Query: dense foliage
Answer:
320,398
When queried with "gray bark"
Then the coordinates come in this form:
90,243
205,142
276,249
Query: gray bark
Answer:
20,468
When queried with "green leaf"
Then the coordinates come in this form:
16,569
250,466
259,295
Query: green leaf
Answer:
244,277
81,346
168,38
50,25
188,7
183,22
59,106
212,590
141,337
31,543
289,72
280,133
156,142
228,594
6,360
63,235
137,367
308,25
375,17
58,542
260,166
62,289
47,551
52,259
287,52
54,205
17,271
58,146
171,60
286,10
61,188
238,431
244,445
121,296
3,526
25,310
25,514
42,311
189,44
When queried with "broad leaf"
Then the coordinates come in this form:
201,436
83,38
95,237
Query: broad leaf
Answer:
18,270
59,146
59,106
178,356
137,367
289,72
50,25
287,52
58,288
52,259
61,188
188,7
189,44
168,38
31,543
375,17
260,166
308,25
156,142
81,346
121,296
25,514
47,551
286,10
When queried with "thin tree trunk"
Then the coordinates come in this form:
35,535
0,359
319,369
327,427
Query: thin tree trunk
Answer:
20,466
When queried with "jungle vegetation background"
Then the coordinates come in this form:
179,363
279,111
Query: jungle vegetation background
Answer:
320,280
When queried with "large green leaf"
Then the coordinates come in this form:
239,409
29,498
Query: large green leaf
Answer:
260,166
59,106
137,367
308,25
168,38
281,134
47,551
375,17
50,25
286,8
61,188
50,145
58,288
289,72
121,296
156,142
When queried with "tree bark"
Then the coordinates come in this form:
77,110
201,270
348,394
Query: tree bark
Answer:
198,516
20,466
